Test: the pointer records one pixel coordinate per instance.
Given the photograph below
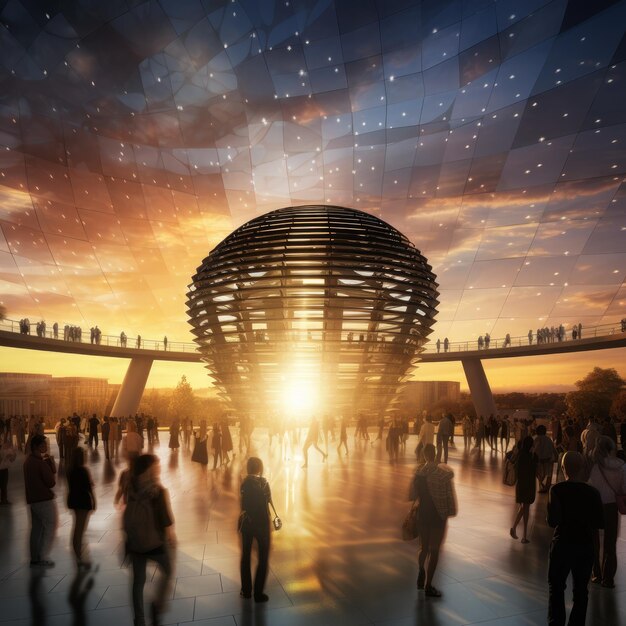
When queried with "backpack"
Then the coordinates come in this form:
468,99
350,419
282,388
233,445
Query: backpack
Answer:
140,524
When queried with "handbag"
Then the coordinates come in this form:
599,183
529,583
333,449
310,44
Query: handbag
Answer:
276,522
410,526
509,474
620,498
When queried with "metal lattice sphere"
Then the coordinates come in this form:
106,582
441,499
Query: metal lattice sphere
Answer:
312,309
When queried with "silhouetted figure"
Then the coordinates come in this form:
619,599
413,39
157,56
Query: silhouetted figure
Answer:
575,513
254,523
525,487
432,486
311,440
81,501
149,528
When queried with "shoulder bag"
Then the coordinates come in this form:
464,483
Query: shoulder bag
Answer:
620,498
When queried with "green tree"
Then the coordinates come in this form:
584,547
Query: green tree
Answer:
618,407
596,393
183,402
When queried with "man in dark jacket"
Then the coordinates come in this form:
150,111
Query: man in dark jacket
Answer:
574,511
39,478
254,523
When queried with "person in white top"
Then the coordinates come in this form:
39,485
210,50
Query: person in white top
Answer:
608,476
589,436
426,435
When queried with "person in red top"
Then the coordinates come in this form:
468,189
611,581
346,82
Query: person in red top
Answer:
39,478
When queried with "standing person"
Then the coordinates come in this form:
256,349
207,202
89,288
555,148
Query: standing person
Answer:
216,445
622,434
134,441
546,453
39,479
254,523
426,436
311,440
174,443
7,457
480,433
106,435
505,433
443,438
149,528
71,442
94,422
61,431
393,441
525,487
200,453
227,440
80,500
115,436
608,476
165,343
467,431
575,513
343,434
432,485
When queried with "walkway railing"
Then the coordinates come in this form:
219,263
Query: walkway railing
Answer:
602,330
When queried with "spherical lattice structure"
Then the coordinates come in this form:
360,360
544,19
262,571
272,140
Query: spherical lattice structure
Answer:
312,308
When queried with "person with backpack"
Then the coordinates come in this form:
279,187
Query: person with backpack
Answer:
433,487
254,523
149,527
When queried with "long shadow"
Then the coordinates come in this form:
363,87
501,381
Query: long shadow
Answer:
81,586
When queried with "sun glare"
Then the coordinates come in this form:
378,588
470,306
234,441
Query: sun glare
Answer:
300,397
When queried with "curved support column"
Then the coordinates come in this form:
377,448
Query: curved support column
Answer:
129,396
479,387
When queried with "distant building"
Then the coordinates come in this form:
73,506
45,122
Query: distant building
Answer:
24,394
421,395
48,396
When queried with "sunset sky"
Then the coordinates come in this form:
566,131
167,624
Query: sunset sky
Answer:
132,141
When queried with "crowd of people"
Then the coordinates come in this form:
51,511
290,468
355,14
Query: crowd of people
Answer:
547,334
75,333
589,471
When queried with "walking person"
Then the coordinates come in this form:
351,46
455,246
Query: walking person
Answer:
216,445
106,435
525,487
311,440
94,422
444,432
81,501
433,487
254,523
39,479
608,476
343,435
575,512
149,528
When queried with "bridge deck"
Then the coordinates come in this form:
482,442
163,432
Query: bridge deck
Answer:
11,339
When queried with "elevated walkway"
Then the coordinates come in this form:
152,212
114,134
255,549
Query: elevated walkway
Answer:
142,353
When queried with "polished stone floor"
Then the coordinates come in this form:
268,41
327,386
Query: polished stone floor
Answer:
339,558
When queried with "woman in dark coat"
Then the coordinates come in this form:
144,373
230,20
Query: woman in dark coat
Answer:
525,487
200,453
254,523
174,430
81,501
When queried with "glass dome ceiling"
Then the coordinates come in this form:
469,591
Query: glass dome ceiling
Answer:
134,136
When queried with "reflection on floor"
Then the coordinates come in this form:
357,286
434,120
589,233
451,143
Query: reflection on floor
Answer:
337,560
